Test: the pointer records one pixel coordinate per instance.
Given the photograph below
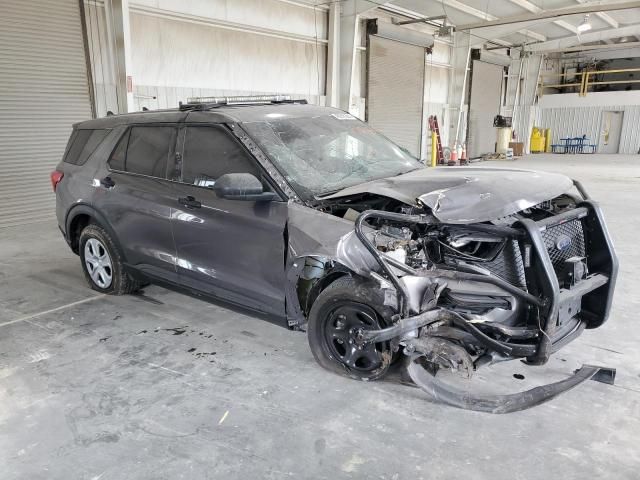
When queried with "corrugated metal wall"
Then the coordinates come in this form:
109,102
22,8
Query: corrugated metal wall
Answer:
486,87
577,121
630,138
395,92
43,90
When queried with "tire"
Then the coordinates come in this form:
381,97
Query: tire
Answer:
340,306
102,263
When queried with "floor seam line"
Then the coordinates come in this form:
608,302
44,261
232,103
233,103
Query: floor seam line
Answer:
62,307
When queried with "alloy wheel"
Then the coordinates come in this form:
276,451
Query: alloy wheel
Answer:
98,262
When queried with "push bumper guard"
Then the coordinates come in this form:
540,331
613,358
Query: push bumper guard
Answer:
564,312
568,311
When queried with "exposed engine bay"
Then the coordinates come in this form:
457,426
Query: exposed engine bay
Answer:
466,295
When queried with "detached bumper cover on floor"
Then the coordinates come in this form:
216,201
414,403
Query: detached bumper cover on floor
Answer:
504,403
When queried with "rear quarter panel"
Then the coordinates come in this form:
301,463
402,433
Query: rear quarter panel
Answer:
77,185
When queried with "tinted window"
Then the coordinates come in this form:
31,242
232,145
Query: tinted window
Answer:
145,150
119,155
210,152
82,144
149,150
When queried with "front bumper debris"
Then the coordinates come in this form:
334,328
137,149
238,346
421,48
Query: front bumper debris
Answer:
509,403
564,294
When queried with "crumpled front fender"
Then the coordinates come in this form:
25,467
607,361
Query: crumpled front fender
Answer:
326,239
316,234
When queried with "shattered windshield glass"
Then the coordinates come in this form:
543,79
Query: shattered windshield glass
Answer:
328,153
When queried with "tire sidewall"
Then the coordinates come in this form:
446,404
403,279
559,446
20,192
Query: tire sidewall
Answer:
94,231
356,291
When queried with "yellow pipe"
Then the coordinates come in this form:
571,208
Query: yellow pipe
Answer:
434,149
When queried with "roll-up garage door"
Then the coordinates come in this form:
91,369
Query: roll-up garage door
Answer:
395,93
43,91
486,90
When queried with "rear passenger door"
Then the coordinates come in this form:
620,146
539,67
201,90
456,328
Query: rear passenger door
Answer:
136,196
232,249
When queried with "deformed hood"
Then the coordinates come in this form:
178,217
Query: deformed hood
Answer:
467,194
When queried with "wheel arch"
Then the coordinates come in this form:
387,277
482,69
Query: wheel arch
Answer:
307,276
81,215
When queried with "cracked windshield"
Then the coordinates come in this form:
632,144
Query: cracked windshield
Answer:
324,154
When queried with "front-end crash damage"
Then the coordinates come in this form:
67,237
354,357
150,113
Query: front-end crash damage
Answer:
472,277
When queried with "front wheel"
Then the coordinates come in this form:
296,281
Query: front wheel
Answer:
102,263
344,308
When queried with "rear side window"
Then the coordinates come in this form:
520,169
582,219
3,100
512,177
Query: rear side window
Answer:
145,150
210,152
82,144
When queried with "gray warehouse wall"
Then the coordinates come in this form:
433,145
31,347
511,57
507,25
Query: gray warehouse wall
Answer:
211,47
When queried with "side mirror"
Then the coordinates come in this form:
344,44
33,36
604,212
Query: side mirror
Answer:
241,186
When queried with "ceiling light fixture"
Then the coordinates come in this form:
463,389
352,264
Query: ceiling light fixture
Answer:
585,25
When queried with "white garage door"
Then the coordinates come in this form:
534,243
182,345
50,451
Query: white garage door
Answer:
43,91
395,94
486,88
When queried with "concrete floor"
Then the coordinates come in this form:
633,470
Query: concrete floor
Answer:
98,387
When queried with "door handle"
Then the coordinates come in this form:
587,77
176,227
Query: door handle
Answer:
107,182
189,202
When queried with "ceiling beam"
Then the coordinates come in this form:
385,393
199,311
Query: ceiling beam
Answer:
404,12
463,7
600,36
586,48
527,5
603,16
551,14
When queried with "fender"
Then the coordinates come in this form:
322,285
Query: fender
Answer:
323,239
297,308
86,209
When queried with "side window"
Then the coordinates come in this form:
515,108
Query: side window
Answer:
145,150
149,150
82,144
116,161
210,152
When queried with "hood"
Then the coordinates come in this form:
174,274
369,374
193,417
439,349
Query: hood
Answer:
467,194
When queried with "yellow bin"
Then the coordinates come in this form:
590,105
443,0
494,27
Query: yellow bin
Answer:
538,140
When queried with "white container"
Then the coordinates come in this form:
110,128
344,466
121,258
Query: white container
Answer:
504,137
509,154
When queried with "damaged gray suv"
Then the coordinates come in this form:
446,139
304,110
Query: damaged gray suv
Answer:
307,217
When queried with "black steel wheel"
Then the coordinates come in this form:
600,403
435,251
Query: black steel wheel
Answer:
338,316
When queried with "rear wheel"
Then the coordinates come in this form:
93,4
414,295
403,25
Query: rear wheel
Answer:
345,308
102,263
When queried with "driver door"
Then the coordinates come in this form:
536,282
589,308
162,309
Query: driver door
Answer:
231,249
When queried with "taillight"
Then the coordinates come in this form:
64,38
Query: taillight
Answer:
56,176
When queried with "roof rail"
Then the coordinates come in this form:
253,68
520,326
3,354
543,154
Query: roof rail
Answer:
207,103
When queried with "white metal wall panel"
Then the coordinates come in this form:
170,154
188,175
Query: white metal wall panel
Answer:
486,87
43,91
575,122
179,54
630,139
395,93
